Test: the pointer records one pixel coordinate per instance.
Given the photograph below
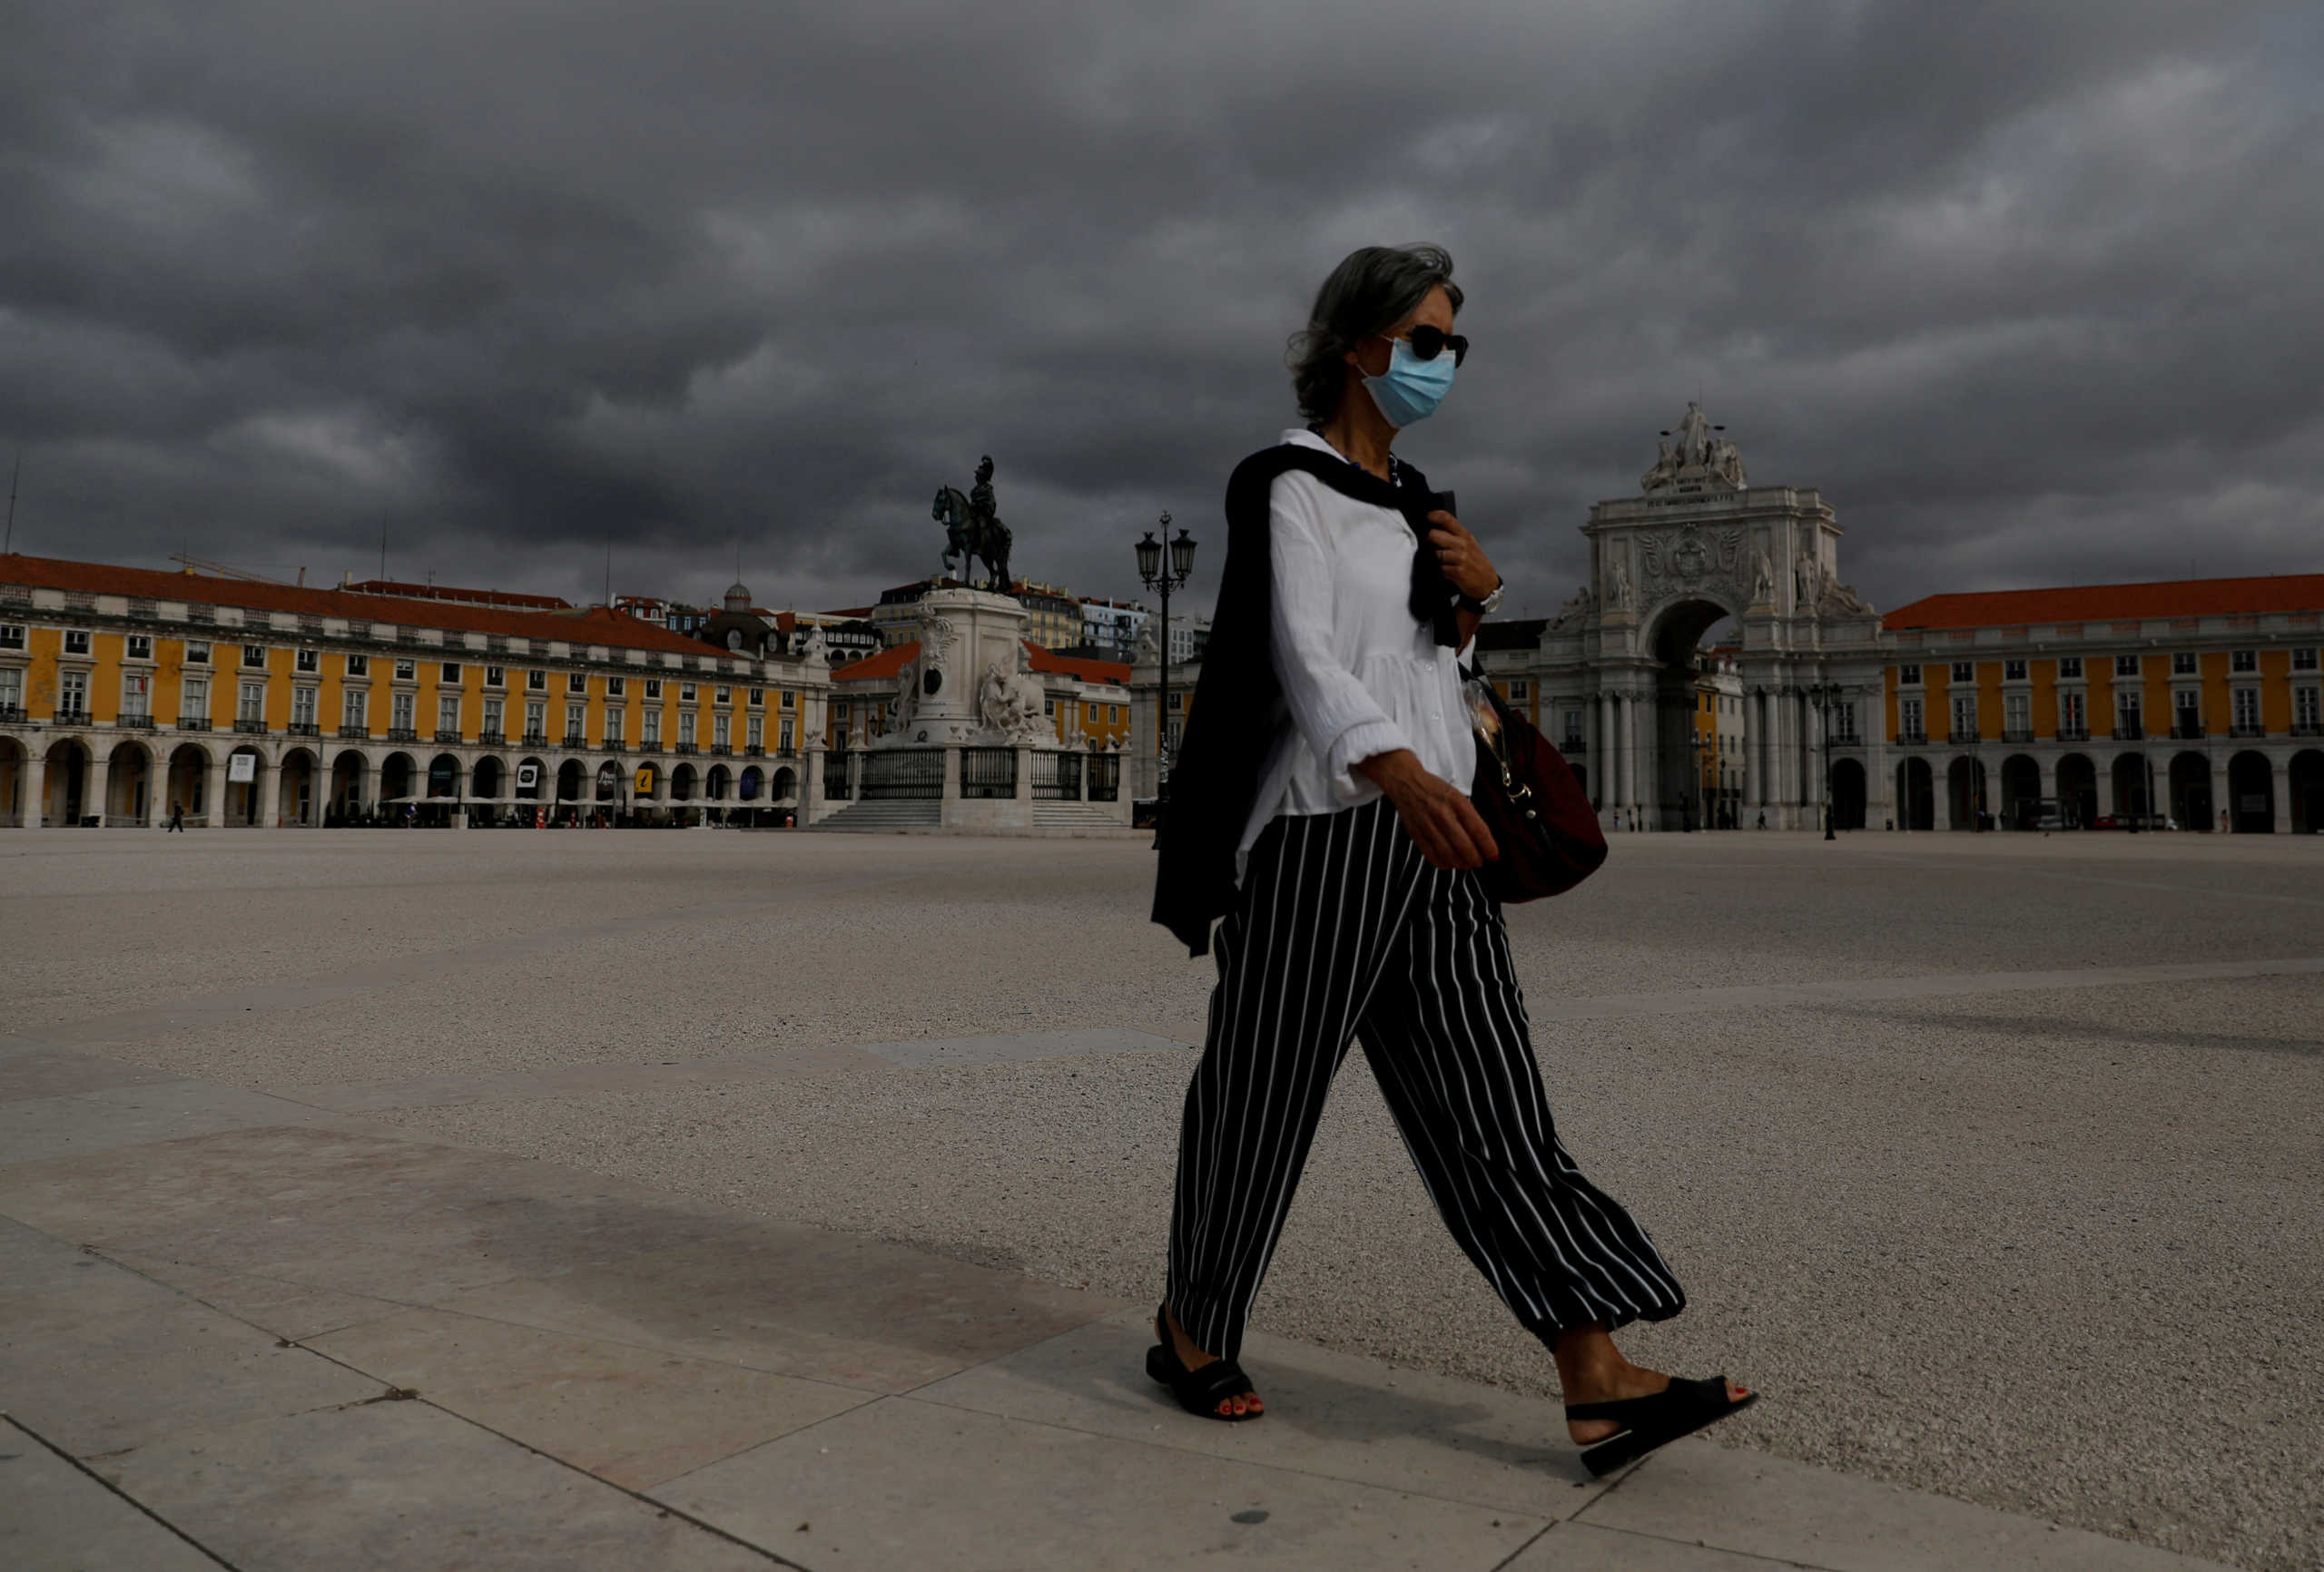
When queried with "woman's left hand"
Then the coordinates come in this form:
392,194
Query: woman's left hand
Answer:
1465,563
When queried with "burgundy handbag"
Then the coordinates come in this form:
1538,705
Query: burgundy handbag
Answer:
1530,799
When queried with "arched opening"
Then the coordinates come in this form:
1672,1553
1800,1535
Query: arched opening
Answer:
2078,792
608,782
245,785
646,784
715,783
532,778
67,784
2252,793
443,776
1916,795
682,783
747,788
2307,792
570,777
346,772
1674,755
2133,802
13,776
298,804
488,779
188,790
784,790
2020,791
1847,794
2191,792
395,779
1964,793
129,784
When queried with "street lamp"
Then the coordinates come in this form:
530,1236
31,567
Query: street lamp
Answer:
1824,695
1155,577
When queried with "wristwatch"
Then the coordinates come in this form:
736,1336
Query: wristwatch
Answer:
1485,607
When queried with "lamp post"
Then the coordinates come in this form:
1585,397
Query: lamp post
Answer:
1156,576
1824,695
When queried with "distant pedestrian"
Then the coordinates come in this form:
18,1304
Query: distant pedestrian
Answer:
1319,806
177,819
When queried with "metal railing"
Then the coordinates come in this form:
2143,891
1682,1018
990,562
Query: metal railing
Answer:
2248,729
250,728
576,740
753,750
536,739
490,737
685,748
12,714
1911,738
1958,738
1574,745
836,788
2017,734
722,749
1105,777
355,733
305,729
2073,734
134,723
2130,731
193,722
2308,728
988,771
1057,776
402,735
447,734
903,773
614,745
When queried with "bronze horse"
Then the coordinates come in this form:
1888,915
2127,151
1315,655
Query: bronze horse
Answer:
972,537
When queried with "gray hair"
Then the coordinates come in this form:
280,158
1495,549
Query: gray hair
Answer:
1373,289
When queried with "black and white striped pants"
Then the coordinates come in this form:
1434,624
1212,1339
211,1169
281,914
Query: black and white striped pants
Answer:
1342,929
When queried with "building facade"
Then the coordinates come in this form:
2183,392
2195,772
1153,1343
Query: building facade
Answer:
125,691
2194,704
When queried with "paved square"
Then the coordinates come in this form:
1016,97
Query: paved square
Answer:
1994,1161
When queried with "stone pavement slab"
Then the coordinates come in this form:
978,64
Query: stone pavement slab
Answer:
404,1487
626,1414
54,1517
800,1301
1694,1492
923,1053
132,1115
1583,1548
901,1483
32,1072
1328,1414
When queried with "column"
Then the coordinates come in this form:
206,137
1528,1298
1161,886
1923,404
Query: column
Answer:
2281,769
1024,775
1625,717
95,783
269,792
2105,788
156,782
1754,771
2221,801
1811,764
1605,744
34,787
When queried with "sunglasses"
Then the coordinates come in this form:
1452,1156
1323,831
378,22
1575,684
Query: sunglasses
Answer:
1430,342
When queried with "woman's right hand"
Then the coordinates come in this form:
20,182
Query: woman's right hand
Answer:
1438,816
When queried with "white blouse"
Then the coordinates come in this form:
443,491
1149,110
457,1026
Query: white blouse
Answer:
1360,676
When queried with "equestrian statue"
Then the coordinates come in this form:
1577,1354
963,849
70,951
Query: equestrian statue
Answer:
973,531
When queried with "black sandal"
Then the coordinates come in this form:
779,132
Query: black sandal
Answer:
1198,1391
1680,1409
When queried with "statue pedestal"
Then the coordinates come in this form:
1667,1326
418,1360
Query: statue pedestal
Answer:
964,633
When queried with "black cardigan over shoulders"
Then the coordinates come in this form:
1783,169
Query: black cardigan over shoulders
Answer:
1238,702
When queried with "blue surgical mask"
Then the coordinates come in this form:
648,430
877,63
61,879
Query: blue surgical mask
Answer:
1411,388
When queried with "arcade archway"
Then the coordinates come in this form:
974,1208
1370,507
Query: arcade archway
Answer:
1916,795
2078,792
1671,784
2191,792
2020,791
2252,793
1847,794
1964,793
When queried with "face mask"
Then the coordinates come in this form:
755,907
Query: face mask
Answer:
1411,388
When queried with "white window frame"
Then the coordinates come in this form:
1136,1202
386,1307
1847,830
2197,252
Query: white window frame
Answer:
305,698
354,708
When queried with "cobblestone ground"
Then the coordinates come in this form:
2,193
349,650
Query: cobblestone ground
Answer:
1993,1161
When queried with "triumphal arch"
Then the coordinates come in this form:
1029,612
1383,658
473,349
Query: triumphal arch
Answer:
1620,679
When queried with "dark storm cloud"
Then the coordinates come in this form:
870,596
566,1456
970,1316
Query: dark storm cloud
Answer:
2029,290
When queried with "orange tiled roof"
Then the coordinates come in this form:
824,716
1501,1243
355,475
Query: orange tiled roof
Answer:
2186,597
1087,668
580,625
886,663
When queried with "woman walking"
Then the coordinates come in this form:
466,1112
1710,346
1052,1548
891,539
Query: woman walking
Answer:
1319,815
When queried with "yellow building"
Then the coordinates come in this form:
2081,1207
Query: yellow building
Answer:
125,692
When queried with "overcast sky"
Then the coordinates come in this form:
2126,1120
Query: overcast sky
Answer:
2031,290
